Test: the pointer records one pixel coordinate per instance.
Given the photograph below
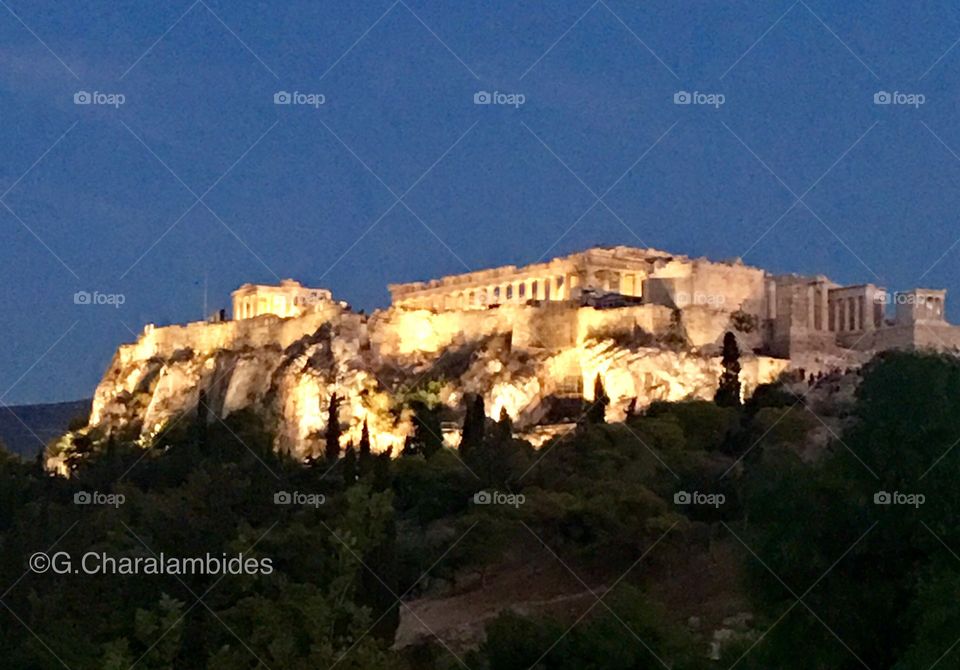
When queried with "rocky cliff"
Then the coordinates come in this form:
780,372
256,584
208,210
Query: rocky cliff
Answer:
521,359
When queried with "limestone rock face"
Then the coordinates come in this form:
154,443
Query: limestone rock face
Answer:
286,370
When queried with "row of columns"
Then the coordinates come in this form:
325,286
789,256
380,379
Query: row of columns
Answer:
245,308
519,291
512,292
850,315
255,305
625,283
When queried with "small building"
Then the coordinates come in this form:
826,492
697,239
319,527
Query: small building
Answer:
289,298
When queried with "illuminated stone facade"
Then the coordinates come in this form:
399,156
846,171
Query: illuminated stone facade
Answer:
619,270
289,298
790,314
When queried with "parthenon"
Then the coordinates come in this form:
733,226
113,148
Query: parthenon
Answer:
621,270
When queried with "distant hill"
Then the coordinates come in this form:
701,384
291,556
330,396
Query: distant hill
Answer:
25,429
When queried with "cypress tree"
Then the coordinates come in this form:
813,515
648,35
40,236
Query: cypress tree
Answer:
728,391
364,455
597,412
332,447
473,424
201,419
505,425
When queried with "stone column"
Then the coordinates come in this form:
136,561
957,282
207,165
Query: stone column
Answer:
811,307
824,308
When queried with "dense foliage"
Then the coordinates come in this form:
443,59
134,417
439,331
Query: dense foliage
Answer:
800,535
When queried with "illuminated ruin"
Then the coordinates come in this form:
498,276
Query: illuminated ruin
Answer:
648,323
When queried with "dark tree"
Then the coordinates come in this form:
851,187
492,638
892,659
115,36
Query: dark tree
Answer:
332,446
473,424
597,411
364,454
504,425
427,434
83,448
349,465
201,419
728,392
382,474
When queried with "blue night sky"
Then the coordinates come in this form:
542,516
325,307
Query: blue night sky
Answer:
103,198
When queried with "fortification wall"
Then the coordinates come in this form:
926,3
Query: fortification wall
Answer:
936,336
652,319
740,287
718,286
204,338
404,332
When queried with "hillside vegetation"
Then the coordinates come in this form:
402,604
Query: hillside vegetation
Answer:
690,536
